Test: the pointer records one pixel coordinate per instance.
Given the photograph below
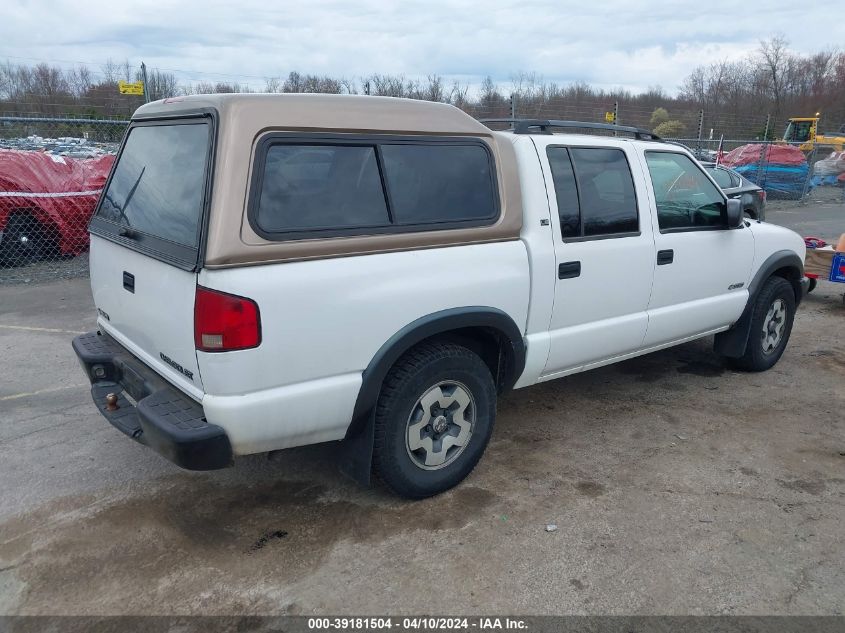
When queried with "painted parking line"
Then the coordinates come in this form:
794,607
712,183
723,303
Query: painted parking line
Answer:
38,329
38,392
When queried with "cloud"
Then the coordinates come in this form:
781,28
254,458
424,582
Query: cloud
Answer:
609,43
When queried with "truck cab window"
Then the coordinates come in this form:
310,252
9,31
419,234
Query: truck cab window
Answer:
797,131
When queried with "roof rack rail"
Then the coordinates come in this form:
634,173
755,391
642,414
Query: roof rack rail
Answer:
542,126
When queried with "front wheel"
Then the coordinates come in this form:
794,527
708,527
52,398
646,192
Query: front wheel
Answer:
771,325
434,418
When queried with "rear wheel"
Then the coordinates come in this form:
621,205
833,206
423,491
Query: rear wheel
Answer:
771,325
433,420
24,241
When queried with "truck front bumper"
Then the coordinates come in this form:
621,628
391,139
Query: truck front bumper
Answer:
149,409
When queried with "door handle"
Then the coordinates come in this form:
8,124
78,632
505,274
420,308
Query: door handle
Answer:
568,270
665,257
129,282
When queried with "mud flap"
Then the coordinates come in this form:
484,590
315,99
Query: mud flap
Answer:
356,461
732,343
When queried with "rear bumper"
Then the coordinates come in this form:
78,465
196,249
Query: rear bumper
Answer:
149,409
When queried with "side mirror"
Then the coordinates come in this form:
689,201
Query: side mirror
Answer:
734,208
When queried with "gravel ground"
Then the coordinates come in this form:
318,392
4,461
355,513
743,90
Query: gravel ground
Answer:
677,487
45,272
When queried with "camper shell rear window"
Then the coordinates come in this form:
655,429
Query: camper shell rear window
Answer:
155,198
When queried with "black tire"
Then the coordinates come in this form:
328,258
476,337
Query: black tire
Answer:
431,370
776,291
812,285
24,240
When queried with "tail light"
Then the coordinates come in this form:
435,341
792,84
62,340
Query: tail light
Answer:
762,194
224,322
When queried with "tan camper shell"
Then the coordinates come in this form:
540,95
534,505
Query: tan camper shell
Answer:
242,121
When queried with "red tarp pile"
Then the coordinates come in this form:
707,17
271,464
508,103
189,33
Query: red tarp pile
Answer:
780,169
778,154
58,191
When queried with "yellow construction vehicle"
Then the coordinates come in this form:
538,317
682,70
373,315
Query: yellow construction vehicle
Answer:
803,131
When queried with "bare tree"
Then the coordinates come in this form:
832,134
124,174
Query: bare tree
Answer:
161,85
434,91
293,83
79,80
458,94
347,86
735,95
387,85
110,71
527,86
774,62
490,96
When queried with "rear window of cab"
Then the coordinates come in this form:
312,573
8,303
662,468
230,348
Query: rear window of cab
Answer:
315,187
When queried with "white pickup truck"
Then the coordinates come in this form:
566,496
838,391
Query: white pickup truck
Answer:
271,271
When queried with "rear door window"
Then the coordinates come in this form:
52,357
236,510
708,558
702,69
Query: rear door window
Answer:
566,192
595,192
157,189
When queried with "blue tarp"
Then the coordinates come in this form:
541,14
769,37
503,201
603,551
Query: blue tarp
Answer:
778,180
818,181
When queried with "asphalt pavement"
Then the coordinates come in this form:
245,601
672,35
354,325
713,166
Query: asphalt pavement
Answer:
677,486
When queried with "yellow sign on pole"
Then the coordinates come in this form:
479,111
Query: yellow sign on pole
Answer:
131,88
610,117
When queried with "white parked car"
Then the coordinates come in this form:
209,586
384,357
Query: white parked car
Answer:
278,270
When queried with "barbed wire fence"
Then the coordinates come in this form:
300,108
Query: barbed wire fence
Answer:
52,169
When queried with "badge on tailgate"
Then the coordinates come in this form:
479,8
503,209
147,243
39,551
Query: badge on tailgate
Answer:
176,365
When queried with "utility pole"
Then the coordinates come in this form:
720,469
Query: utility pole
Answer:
144,79
615,114
768,122
513,109
700,126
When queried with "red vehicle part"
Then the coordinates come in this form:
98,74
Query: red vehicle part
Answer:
58,192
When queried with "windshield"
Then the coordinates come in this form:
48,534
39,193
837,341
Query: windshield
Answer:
158,184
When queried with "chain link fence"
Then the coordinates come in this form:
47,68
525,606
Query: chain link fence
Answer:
53,169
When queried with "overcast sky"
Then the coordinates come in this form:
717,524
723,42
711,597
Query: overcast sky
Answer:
608,43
